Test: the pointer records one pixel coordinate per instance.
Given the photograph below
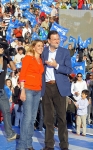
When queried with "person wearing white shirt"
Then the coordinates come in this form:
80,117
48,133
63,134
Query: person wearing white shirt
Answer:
26,29
19,55
54,11
78,86
18,13
82,111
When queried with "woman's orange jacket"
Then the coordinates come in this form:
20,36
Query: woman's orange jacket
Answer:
31,73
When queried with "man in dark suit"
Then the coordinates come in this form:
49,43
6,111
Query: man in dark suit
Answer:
55,88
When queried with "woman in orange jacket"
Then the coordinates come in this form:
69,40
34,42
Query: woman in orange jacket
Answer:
31,84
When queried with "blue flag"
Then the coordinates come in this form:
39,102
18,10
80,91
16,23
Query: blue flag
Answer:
11,24
89,40
46,9
61,30
27,1
79,40
46,2
24,5
30,17
72,39
5,1
8,35
19,65
79,67
65,46
73,58
35,36
36,5
15,24
43,34
84,44
62,40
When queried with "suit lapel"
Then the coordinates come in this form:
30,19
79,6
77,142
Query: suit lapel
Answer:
58,54
46,53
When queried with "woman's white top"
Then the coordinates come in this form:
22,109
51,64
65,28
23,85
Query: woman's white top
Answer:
79,86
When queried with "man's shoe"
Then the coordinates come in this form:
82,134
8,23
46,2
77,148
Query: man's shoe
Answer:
31,148
47,148
65,149
16,136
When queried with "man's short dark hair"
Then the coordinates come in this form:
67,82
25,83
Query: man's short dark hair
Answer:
86,92
53,32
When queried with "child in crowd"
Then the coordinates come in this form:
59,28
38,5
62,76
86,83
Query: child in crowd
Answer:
82,111
18,107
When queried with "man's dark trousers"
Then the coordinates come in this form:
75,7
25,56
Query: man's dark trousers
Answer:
52,99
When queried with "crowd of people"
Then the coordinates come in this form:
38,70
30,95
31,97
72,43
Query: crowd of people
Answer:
34,104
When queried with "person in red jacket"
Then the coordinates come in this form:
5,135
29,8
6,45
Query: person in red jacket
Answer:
18,32
31,83
80,3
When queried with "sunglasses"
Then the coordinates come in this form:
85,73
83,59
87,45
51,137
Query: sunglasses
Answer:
79,76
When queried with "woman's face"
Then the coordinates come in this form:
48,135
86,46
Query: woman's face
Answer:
79,77
39,48
8,83
91,76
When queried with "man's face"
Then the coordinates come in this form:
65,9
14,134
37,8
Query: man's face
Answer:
1,50
54,41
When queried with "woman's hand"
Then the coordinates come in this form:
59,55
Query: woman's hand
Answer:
23,95
77,93
10,100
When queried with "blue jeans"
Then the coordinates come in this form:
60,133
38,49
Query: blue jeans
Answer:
40,117
5,108
30,108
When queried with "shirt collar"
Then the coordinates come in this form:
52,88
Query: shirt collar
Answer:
51,51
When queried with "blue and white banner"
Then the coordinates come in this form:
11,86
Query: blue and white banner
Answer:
43,34
30,17
36,5
24,5
35,36
63,38
47,2
79,67
15,24
46,9
8,35
61,30
72,39
73,58
5,1
89,40
84,44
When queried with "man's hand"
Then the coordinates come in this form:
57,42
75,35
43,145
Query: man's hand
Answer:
76,105
23,95
52,63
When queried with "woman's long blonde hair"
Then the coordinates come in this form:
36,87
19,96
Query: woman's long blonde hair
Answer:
30,50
